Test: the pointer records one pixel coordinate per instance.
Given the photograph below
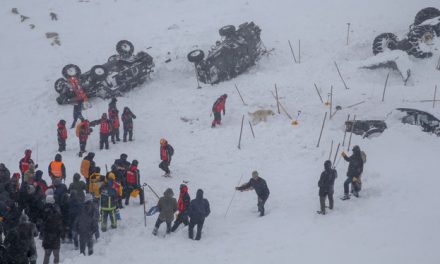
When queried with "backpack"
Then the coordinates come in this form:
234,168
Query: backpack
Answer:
170,150
364,157
77,129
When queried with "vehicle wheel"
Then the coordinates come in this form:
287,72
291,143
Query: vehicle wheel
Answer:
196,56
71,70
113,58
227,31
125,48
420,34
383,42
98,73
425,14
61,85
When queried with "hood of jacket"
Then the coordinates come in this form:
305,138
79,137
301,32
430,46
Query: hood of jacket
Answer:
199,194
168,193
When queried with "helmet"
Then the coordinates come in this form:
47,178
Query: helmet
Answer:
111,175
225,96
163,141
134,163
58,157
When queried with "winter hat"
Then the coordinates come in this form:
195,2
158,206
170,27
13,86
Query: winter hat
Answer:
76,177
327,165
255,174
225,96
97,169
88,197
356,149
58,157
91,155
38,174
163,141
134,163
50,199
124,156
169,192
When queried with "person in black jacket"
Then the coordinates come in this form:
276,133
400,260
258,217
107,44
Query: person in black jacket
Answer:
86,225
182,206
259,185
198,210
27,231
355,169
326,186
127,123
5,174
77,113
52,228
15,251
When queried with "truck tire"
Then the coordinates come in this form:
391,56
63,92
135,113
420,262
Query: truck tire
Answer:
125,48
61,85
98,73
383,42
71,70
418,35
196,56
425,14
227,31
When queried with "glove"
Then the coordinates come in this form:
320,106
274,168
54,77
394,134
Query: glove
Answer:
343,154
36,166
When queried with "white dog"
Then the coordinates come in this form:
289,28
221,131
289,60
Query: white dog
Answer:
260,115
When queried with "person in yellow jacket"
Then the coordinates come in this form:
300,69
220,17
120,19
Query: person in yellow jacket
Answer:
56,168
95,182
87,167
118,188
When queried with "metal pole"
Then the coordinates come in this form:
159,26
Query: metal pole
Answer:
331,101
322,128
336,154
337,68
241,131
145,212
331,150
351,133
435,93
320,98
299,50
278,102
239,94
348,31
293,54
385,87
345,130
252,129
233,195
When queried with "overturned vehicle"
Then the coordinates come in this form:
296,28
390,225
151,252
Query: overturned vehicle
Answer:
365,128
122,72
421,35
239,49
427,121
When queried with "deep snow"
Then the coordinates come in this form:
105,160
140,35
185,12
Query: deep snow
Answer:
395,220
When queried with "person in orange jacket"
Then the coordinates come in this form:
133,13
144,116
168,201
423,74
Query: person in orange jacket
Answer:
57,169
62,135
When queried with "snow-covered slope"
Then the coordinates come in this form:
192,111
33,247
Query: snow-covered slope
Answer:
395,220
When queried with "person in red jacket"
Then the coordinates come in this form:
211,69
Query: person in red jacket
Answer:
166,151
217,108
62,135
25,162
182,206
133,183
113,114
83,135
104,131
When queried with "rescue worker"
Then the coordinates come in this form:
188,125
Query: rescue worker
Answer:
113,114
56,168
104,131
133,183
108,205
95,182
182,206
127,123
259,185
84,131
166,152
88,167
25,162
217,108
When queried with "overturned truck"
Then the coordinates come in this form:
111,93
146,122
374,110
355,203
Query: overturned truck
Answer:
122,72
239,49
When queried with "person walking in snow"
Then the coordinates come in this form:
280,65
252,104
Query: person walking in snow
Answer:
167,206
127,123
56,168
217,108
86,225
83,134
198,210
259,185
52,228
62,135
166,152
355,169
133,183
182,205
113,114
77,113
27,231
108,204
104,131
326,186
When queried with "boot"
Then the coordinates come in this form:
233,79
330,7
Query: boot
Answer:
345,197
155,231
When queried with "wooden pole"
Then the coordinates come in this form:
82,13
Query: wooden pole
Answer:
241,131
345,130
278,101
299,50
239,94
435,93
322,128
351,133
145,209
319,94
331,101
385,87
337,68
282,107
291,50
348,32
336,154
331,150
252,129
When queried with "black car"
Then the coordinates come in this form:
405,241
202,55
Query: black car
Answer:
119,74
425,28
239,49
428,122
365,128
